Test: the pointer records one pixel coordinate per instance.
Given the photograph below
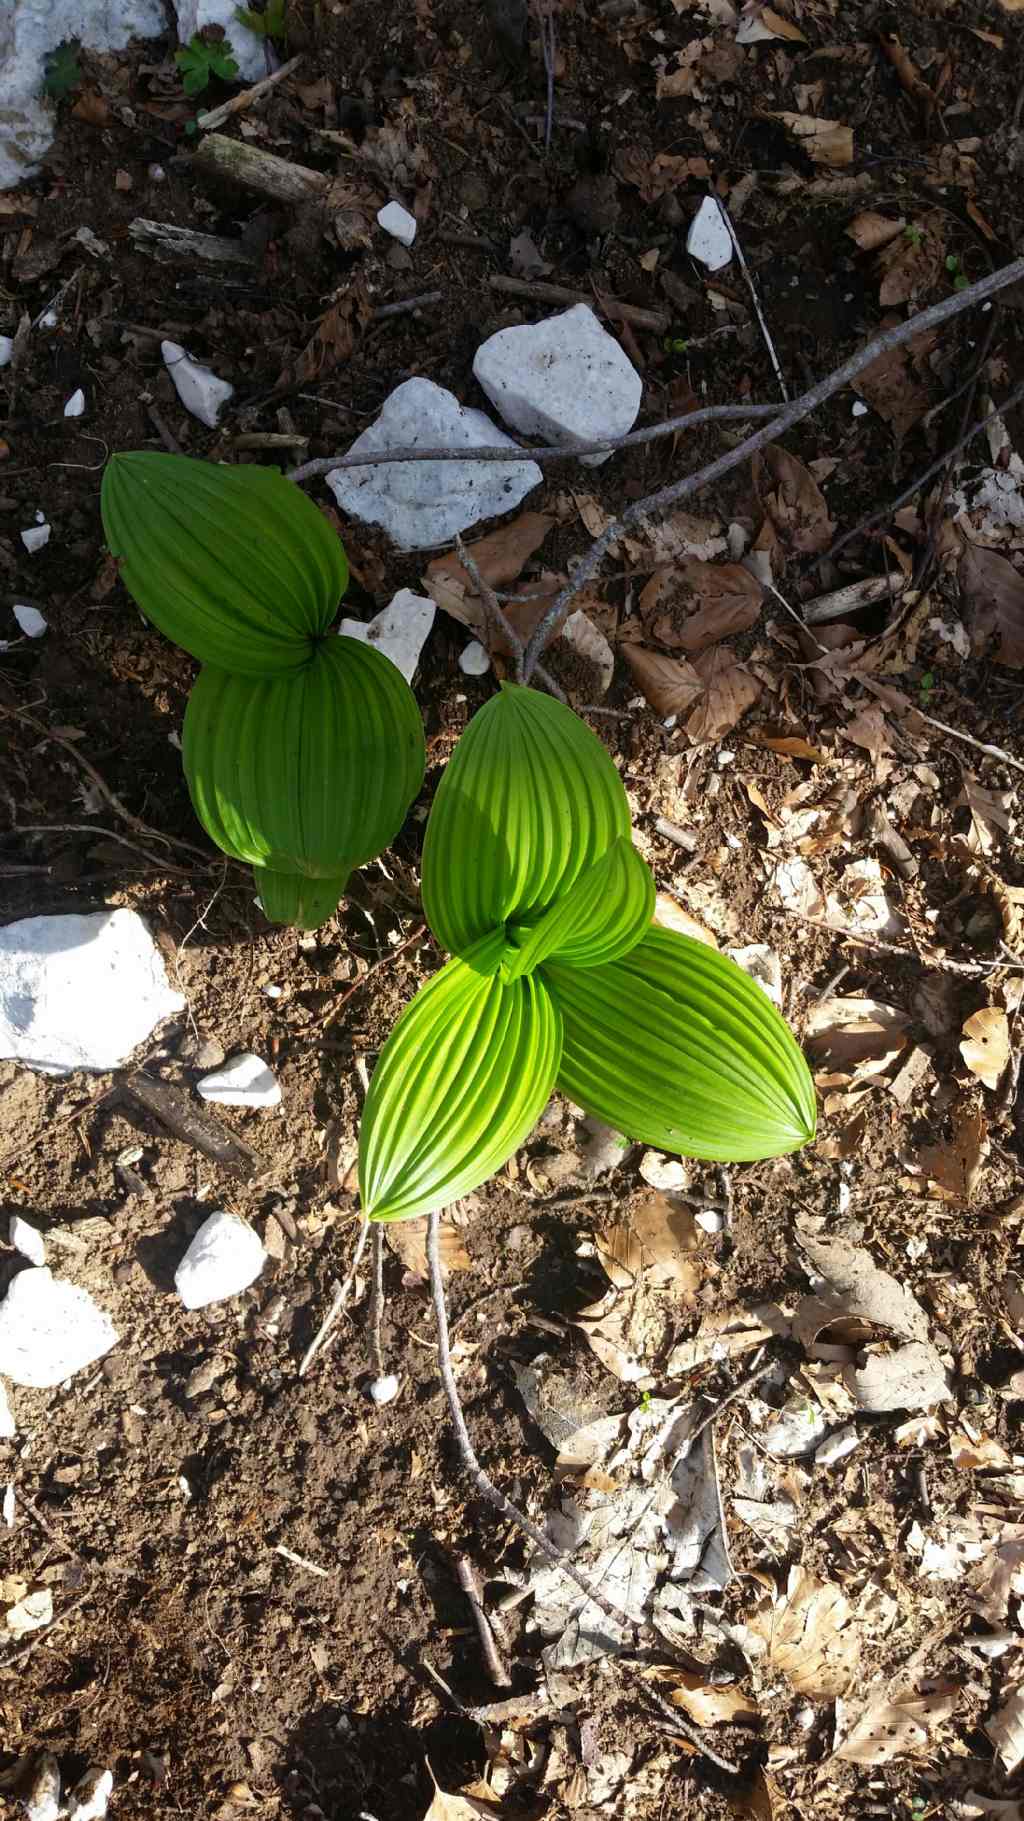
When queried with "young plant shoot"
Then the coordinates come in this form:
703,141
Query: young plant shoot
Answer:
560,979
302,750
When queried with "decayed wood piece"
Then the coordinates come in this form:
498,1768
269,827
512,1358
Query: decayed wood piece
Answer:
615,311
261,173
172,245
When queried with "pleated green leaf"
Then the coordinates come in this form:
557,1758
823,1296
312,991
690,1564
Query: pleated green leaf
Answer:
600,918
235,565
529,800
310,772
463,1077
301,902
676,1046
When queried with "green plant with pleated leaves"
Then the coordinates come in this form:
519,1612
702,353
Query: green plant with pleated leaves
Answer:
560,979
302,750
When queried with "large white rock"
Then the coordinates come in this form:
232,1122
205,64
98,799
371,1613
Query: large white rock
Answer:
199,389
80,992
399,630
26,1239
225,1257
8,1426
566,379
244,1081
90,1797
50,1329
422,504
709,239
30,29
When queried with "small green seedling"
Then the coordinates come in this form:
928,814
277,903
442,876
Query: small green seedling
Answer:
62,70
203,59
675,344
913,234
560,979
959,277
302,750
268,23
925,687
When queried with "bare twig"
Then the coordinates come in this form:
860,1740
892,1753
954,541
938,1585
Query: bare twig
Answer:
539,291
470,1585
167,437
942,963
406,305
755,300
890,339
107,834
382,961
554,452
496,620
680,1724
218,115
341,1296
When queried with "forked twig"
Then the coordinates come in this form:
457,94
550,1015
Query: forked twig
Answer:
341,1296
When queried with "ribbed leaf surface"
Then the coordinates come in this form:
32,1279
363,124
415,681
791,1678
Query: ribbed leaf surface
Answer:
296,900
309,772
675,1045
463,1077
600,918
235,565
529,800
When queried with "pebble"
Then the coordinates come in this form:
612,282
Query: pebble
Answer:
709,239
225,1257
36,537
199,389
565,379
8,1426
423,504
33,1613
397,222
244,1081
50,1329
80,992
860,409
474,661
664,1172
836,1447
89,1799
30,620
400,630
76,404
41,1801
27,1240
6,350
385,1390
711,1220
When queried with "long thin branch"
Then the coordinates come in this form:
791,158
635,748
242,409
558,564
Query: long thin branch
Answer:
510,452
793,413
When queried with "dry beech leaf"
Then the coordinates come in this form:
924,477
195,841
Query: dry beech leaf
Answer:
871,230
407,1239
990,814
459,1808
910,1378
909,266
857,1035
726,598
953,1168
763,1802
793,746
673,915
626,1333
792,501
986,1044
869,729
995,591
758,27
1006,1730
655,1242
707,1705
729,690
810,1637
335,336
499,557
590,644
890,388
670,685
902,1728
824,141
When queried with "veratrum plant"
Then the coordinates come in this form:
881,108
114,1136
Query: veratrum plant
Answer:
302,750
560,979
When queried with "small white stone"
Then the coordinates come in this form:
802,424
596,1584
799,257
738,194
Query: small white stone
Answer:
8,1426
76,404
30,620
36,538
80,992
27,1240
664,1172
860,409
273,992
225,1257
397,222
42,1800
50,1329
400,630
565,379
836,1447
7,1505
384,1390
423,504
200,391
48,320
6,350
709,239
711,1219
474,661
157,173
89,1799
244,1081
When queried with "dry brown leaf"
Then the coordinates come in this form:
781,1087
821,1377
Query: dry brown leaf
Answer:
727,598
995,591
869,729
824,141
656,1242
92,108
656,177
909,1378
853,1286
953,1168
973,1456
890,388
500,558
335,337
446,1807
590,644
670,685
909,266
986,1044
810,1637
626,1333
858,1035
407,1239
707,1704
763,1802
670,914
778,27
593,514
902,1728
990,814
1006,1730
792,501
871,230
729,690
910,76
727,1334
792,746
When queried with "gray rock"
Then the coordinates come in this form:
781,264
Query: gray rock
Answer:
50,1329
565,379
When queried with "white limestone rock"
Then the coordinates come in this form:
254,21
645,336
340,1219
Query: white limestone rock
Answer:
26,1239
244,1081
399,630
474,661
397,222
80,992
565,379
423,504
76,404
30,620
225,1257
199,389
50,1329
90,1797
709,239
8,1426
